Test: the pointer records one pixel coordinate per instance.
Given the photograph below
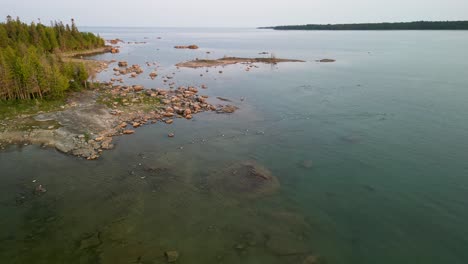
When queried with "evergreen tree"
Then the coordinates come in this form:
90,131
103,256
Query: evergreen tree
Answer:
29,65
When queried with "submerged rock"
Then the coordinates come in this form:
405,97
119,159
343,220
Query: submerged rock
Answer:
227,109
171,256
246,179
40,189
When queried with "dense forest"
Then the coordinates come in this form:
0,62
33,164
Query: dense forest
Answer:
417,25
30,62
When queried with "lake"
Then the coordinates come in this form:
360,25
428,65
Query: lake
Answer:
370,155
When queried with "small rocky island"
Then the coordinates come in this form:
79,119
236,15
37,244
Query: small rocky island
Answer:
231,60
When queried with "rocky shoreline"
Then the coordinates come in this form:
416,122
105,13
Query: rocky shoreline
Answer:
86,125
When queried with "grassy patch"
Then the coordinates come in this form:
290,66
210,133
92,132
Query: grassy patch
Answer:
11,109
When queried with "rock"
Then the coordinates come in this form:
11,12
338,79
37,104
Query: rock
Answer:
204,86
169,109
90,242
98,139
326,60
123,64
115,41
128,132
171,256
227,109
40,189
307,164
171,135
153,74
167,114
187,47
64,147
311,260
136,124
240,247
169,121
188,116
138,88
187,112
114,50
106,143
223,99
244,180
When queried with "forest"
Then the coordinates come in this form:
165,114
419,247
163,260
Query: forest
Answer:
31,66
417,25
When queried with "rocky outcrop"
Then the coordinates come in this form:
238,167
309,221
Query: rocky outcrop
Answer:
115,41
326,60
187,47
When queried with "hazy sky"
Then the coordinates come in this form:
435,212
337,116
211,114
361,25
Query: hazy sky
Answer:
232,13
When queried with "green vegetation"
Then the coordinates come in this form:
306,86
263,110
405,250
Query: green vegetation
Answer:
417,25
13,108
30,63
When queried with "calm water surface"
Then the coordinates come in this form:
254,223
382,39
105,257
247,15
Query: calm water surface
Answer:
370,153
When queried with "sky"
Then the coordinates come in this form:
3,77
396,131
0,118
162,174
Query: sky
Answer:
231,13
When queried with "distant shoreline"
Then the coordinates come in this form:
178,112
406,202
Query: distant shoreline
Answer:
416,25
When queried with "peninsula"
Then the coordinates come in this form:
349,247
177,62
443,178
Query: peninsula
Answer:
416,25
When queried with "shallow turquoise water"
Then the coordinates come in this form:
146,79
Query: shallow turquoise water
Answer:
370,152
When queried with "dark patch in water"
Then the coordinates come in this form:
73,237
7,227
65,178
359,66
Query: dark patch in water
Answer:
246,179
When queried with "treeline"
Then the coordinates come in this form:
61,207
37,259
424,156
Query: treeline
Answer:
417,25
30,62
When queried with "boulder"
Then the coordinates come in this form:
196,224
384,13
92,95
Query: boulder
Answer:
153,74
123,64
171,256
227,109
326,60
138,88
